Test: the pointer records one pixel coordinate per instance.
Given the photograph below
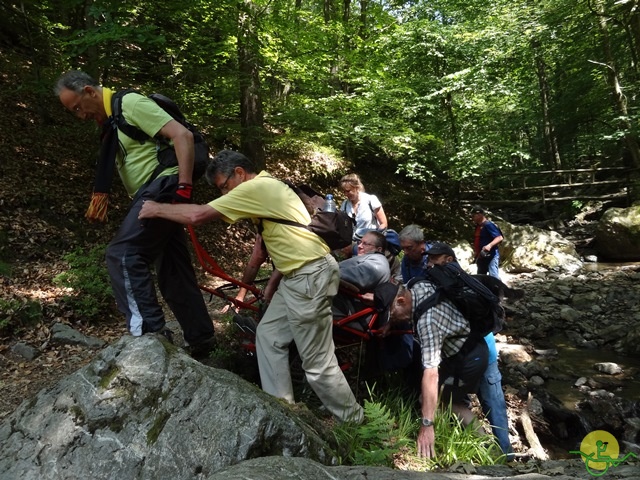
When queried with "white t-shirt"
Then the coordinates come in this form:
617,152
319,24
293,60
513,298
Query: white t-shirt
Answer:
365,217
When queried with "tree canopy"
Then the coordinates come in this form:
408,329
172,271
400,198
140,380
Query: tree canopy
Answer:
444,89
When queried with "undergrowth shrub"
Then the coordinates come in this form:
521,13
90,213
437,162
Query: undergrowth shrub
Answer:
87,279
388,436
16,314
386,429
5,269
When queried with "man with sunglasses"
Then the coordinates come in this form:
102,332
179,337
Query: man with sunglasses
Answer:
137,246
300,310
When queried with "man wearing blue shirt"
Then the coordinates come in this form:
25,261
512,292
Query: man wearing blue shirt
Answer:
485,243
414,261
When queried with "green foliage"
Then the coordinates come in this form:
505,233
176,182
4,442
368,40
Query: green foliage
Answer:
457,443
445,91
390,430
5,269
385,430
87,279
576,206
15,314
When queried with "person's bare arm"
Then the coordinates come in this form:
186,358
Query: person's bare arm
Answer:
272,285
258,256
427,436
493,243
382,218
187,214
183,145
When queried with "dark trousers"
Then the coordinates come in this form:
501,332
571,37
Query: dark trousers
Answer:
137,247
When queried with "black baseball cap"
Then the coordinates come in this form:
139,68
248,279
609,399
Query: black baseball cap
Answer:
440,248
477,209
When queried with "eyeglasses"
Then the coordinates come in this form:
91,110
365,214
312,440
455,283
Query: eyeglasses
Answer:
367,244
223,187
76,108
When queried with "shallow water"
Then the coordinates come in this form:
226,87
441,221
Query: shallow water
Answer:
571,363
609,266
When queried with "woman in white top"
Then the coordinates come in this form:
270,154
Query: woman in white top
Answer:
366,208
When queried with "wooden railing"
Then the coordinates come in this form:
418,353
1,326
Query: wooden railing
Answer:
551,186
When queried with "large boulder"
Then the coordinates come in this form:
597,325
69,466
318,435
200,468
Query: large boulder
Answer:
618,234
527,249
144,409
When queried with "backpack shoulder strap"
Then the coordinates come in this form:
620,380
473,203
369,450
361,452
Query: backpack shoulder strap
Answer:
301,194
116,111
427,303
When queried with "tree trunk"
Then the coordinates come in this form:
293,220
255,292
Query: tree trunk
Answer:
251,113
619,100
548,131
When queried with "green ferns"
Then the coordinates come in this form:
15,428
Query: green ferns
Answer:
387,437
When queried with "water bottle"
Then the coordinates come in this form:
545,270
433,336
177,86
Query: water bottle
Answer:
329,204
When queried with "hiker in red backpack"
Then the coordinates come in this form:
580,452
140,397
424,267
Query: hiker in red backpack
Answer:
486,238
137,246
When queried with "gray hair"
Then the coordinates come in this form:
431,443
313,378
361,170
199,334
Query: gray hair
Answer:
412,232
225,162
75,80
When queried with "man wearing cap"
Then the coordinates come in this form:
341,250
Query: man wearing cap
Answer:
489,391
485,243
442,331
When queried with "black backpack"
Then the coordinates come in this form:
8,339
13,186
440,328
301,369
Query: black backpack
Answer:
472,299
335,228
166,153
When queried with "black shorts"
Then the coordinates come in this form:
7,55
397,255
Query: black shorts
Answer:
460,375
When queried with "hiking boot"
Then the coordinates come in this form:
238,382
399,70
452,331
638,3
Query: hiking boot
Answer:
168,334
246,324
203,349
164,331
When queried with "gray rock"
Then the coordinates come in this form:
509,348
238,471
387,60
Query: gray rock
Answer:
287,468
25,351
536,381
610,368
618,234
63,334
527,249
580,382
145,410
569,314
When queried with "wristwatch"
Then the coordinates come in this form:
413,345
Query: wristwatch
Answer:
427,423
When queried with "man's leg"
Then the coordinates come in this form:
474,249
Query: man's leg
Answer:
460,376
129,256
179,287
309,313
494,406
305,302
493,267
273,337
483,265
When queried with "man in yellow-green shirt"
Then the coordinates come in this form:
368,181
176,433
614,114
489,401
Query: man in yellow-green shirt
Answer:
300,310
137,246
